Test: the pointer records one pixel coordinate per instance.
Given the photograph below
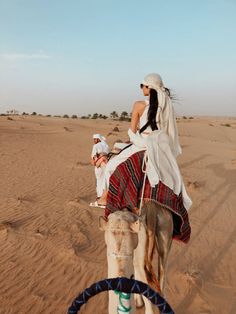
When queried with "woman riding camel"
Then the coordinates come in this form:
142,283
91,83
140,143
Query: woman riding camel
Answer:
153,129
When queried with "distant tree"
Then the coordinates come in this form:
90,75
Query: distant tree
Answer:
34,113
95,116
74,116
124,116
65,116
48,115
114,115
104,117
89,116
25,114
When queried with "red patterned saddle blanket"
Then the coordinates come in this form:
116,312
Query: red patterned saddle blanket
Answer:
125,189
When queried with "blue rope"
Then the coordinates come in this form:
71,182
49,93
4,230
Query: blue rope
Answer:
121,284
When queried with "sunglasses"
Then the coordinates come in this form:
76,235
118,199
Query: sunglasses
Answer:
142,86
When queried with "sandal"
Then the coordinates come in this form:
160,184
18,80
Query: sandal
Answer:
97,205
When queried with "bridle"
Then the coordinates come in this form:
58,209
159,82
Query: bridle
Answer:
119,256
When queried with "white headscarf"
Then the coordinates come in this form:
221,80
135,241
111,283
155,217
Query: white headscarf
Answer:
165,114
99,137
100,147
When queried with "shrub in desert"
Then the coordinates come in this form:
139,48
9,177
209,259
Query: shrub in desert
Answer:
102,116
116,129
65,116
34,113
74,116
95,116
226,124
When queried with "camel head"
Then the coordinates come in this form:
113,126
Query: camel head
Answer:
121,233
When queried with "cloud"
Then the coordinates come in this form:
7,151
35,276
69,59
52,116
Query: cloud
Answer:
24,56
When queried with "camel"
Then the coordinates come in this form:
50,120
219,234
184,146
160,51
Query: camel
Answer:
131,241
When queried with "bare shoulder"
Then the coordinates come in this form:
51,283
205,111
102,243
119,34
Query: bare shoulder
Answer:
139,105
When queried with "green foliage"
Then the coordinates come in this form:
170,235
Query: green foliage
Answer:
114,115
124,114
95,116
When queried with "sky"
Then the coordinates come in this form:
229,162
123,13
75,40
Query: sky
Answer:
85,57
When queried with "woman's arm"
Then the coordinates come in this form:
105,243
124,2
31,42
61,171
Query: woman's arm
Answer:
137,109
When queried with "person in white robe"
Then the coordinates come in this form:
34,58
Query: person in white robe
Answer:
99,154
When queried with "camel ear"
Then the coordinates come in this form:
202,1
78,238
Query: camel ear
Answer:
102,223
134,226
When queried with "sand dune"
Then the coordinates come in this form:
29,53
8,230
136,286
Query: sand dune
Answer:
51,248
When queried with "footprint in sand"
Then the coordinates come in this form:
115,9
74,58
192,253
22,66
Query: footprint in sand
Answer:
42,232
230,165
24,198
75,201
3,230
67,129
189,279
81,165
194,277
233,161
195,184
7,226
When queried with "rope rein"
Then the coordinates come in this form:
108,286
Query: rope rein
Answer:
144,165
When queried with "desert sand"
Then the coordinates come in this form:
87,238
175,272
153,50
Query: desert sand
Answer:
51,246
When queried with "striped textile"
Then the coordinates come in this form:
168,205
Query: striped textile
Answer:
125,188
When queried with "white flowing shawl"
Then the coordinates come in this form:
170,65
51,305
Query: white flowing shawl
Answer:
165,115
162,165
